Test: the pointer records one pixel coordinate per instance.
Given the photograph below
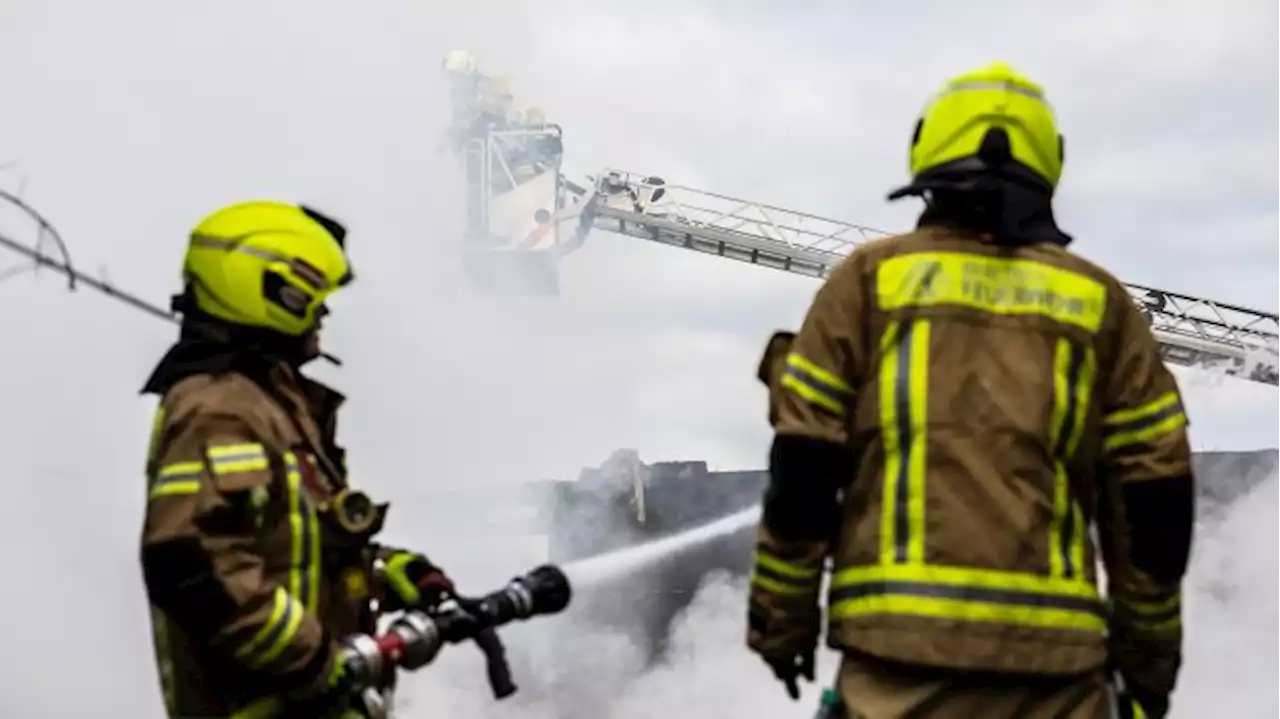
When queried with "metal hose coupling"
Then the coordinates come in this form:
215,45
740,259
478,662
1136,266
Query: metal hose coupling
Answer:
410,642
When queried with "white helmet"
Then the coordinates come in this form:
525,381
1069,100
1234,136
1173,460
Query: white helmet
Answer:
459,62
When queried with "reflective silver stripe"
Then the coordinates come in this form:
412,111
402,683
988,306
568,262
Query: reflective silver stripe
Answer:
237,245
994,85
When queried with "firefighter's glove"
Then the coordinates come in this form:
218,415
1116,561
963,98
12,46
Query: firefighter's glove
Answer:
415,582
785,634
1146,664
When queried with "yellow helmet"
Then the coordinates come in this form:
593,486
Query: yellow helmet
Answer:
459,62
989,119
266,264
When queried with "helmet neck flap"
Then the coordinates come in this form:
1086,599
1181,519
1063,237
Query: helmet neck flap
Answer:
209,345
1012,212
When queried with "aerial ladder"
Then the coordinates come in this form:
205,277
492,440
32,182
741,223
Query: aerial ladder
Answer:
525,212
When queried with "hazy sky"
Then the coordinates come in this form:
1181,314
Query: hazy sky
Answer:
131,119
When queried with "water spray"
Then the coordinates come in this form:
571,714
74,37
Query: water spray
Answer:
618,563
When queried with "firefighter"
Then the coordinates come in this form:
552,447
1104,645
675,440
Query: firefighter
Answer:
965,407
257,554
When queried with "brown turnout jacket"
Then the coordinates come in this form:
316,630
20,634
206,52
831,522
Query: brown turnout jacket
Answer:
996,401
250,577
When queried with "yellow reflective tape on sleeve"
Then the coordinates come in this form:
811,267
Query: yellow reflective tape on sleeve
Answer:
239,457
961,594
160,639
157,431
304,539
783,578
1155,616
833,383
997,285
904,401
1074,375
276,634
179,478
816,385
1145,423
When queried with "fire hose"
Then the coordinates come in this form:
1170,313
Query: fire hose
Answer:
414,639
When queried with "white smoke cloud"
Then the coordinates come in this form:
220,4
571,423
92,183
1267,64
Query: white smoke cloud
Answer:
134,118
1232,651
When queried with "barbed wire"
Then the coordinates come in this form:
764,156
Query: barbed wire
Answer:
38,257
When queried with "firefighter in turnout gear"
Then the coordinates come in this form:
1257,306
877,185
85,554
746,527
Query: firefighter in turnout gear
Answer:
970,416
256,553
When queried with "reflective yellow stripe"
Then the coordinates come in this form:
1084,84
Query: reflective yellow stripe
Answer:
179,478
816,385
304,539
777,576
1074,373
157,430
164,656
904,398
239,457
1145,423
1155,616
998,285
901,583
967,595
276,634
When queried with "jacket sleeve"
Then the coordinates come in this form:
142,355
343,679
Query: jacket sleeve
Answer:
1147,512
210,484
811,384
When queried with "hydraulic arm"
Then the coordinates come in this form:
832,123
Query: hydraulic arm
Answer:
1192,331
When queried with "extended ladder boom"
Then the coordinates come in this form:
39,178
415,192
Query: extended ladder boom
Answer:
1192,331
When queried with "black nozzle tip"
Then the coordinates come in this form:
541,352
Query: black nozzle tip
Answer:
550,589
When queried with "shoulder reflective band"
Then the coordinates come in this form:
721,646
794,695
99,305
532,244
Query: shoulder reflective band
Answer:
234,458
904,397
179,478
275,634
304,539
997,285
783,578
1145,423
963,594
1074,371
816,385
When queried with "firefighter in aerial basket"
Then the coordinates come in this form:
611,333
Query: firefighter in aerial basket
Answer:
964,408
257,554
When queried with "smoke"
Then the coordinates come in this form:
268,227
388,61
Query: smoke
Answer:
569,669
1232,650
138,117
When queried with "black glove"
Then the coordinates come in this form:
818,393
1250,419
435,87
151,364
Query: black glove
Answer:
1153,707
1132,702
790,669
1144,667
786,641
